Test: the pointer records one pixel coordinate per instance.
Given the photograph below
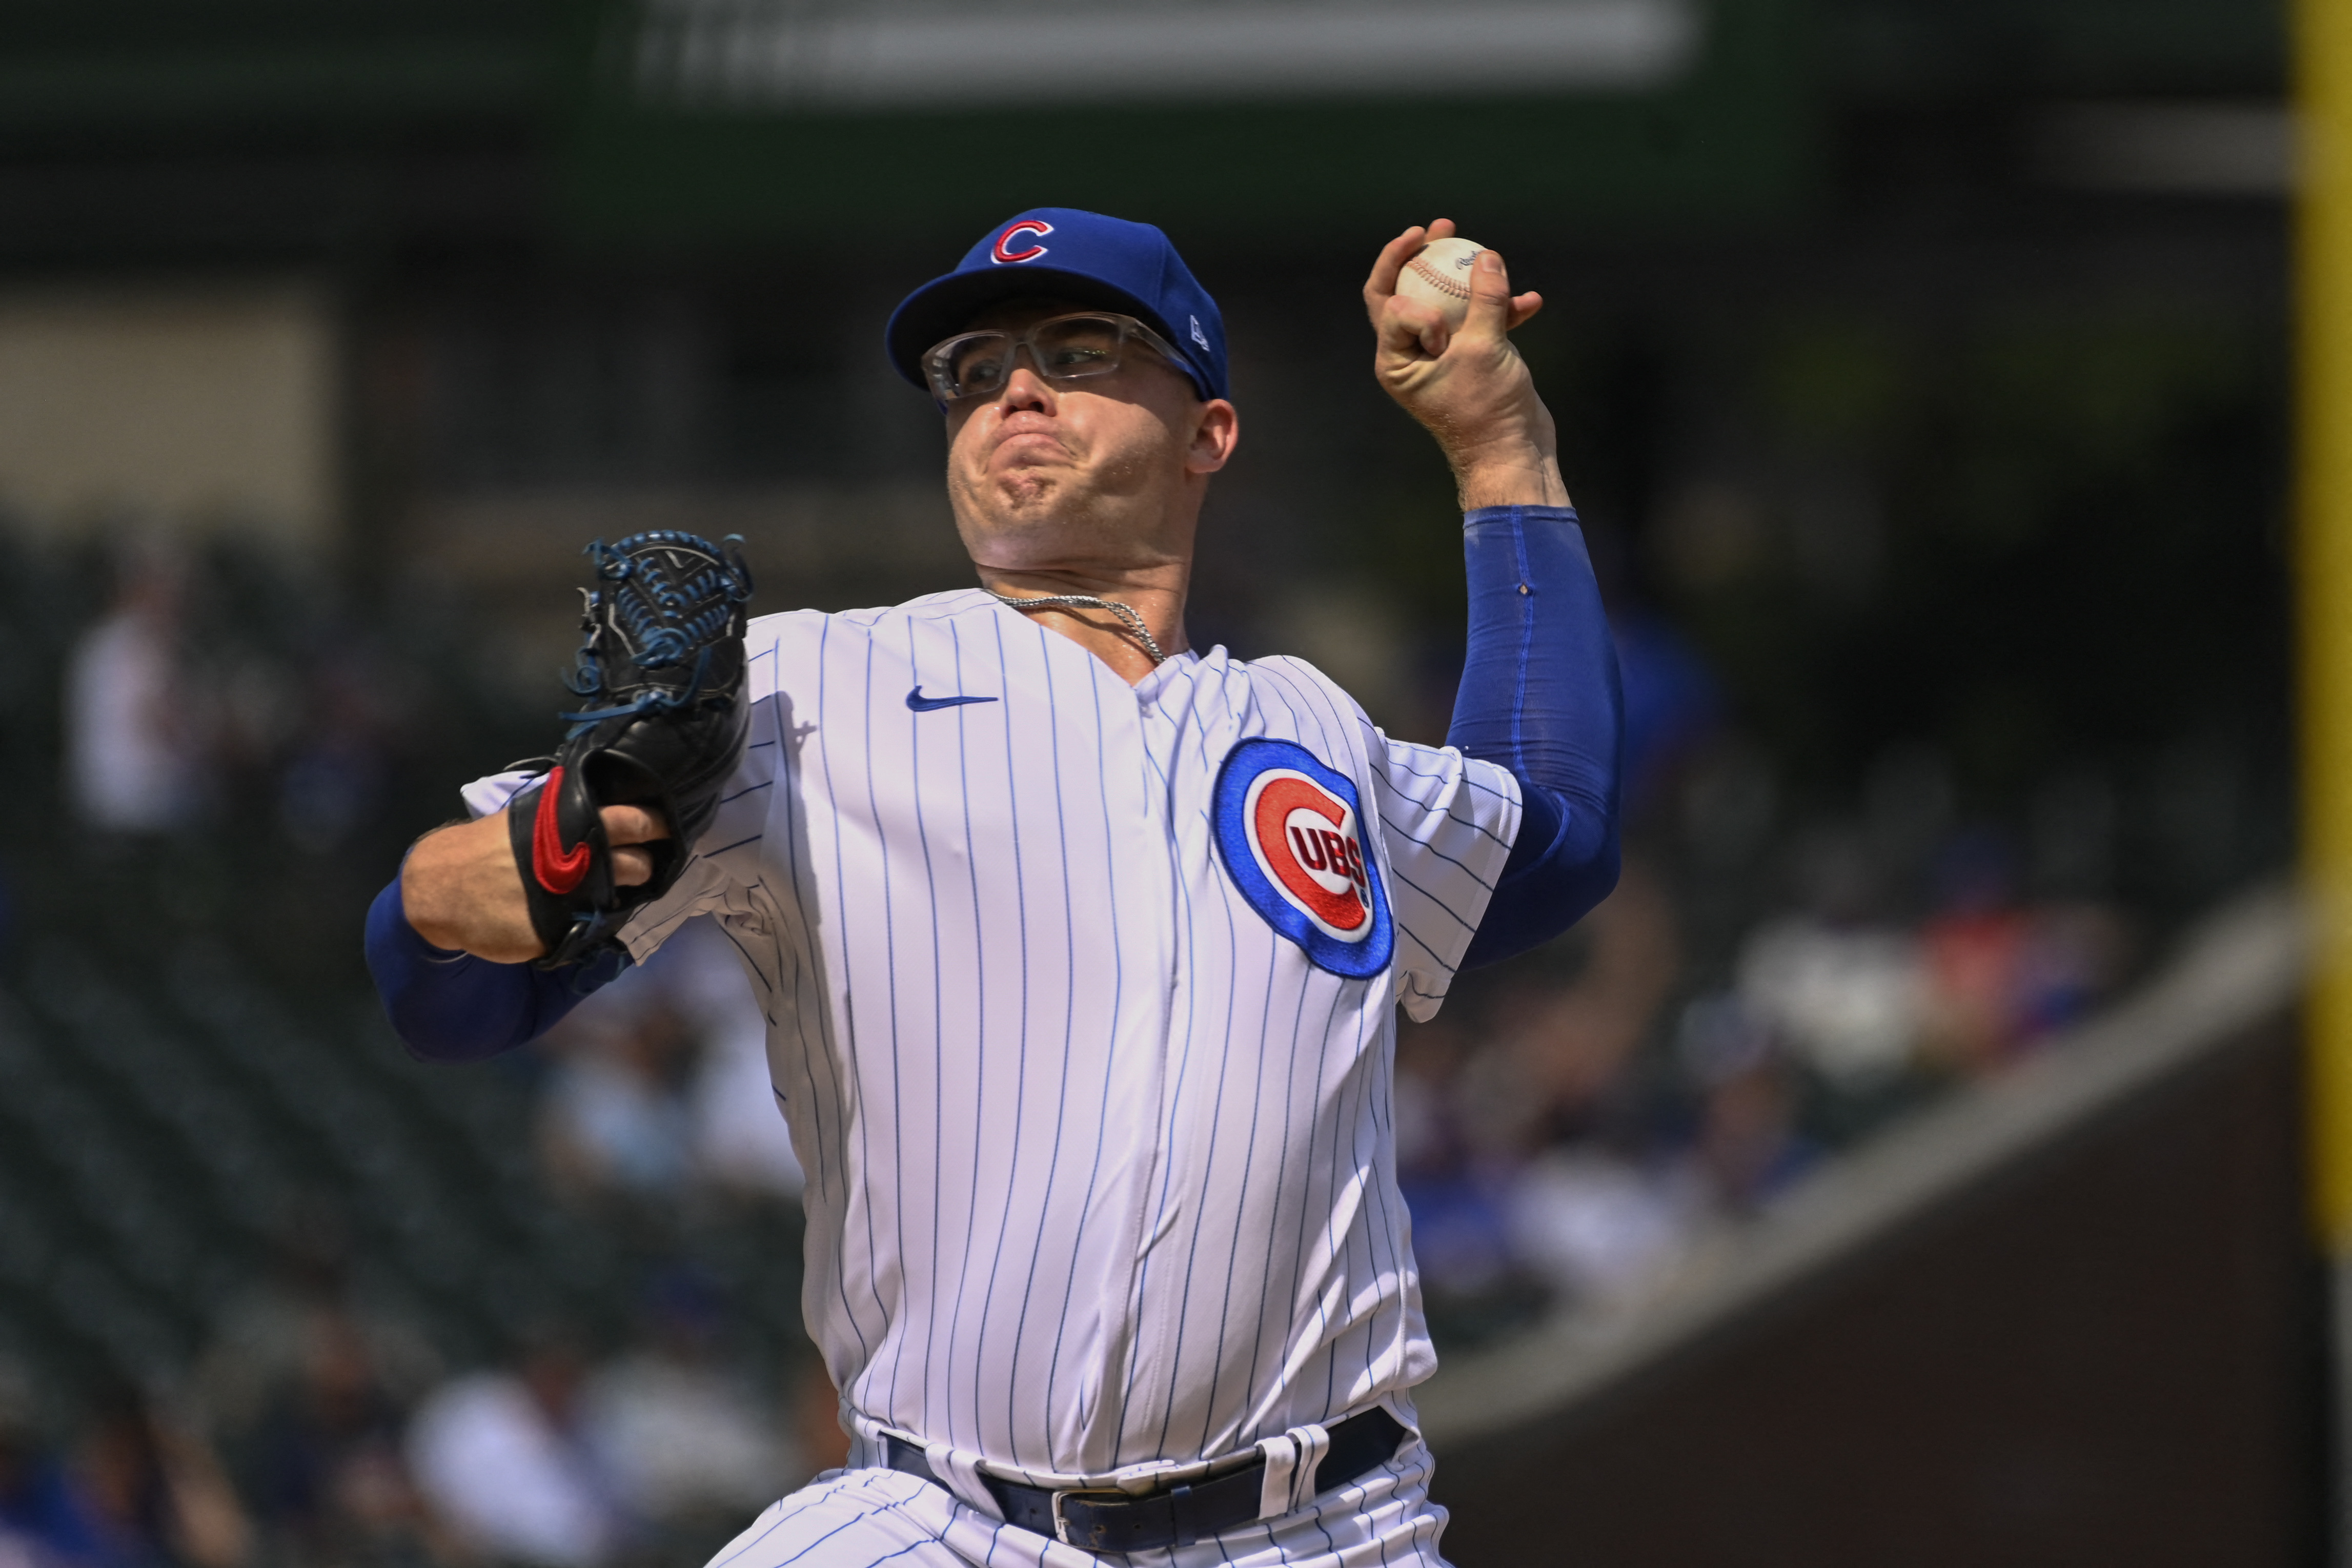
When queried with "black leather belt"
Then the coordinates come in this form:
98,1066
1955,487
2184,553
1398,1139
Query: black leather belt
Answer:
1108,1521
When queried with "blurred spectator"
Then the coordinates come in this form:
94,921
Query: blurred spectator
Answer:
503,1461
33,1507
1748,1150
680,1438
740,1142
1566,1042
265,1337
133,1491
1844,989
1973,951
1745,1145
616,1118
1592,1221
1549,1181
1672,703
2076,956
1849,1001
1460,1236
335,779
328,1479
1601,1229
2001,974
663,1082
136,737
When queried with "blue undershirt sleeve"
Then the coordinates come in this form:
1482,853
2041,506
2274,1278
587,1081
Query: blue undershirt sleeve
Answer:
1539,696
453,1006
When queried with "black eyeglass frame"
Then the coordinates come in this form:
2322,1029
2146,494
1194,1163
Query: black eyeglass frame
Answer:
935,357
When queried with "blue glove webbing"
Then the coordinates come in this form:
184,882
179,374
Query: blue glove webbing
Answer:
453,1006
1539,695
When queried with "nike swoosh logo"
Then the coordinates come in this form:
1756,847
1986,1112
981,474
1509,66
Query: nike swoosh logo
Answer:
559,870
922,703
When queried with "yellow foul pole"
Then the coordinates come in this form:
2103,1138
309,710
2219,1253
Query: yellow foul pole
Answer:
2323,67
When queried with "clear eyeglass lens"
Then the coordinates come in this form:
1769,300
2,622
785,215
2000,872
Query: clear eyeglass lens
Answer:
1085,345
977,363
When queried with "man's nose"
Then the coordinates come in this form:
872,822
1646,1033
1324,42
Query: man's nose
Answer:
1025,389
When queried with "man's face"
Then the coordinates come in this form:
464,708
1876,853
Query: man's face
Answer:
1115,454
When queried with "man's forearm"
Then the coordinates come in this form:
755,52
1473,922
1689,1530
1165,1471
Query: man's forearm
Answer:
462,890
450,941
1539,695
449,1006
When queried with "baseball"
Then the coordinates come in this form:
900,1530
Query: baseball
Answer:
1440,275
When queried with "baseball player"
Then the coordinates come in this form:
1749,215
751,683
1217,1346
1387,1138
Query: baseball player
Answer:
1080,947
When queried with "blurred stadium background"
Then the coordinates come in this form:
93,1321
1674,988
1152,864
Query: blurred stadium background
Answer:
1905,1165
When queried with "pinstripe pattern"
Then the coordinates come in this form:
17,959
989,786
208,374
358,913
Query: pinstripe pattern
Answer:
1100,1165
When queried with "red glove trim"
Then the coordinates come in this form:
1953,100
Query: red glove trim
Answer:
559,870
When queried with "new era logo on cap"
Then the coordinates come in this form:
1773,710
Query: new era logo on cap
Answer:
1097,262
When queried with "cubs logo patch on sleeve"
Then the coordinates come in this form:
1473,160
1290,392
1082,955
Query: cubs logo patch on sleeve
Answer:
1290,833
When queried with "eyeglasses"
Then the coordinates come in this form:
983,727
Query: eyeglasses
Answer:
1062,348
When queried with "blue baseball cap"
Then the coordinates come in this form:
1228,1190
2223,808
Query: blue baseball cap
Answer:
1086,259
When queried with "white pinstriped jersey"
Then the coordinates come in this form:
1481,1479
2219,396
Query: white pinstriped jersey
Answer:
1081,1003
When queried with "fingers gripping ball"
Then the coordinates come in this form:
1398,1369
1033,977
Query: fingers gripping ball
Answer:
1440,276
661,664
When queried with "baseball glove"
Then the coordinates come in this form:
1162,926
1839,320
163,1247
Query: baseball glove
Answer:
661,662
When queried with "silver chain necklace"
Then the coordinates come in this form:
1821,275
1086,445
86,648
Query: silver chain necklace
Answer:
1089,602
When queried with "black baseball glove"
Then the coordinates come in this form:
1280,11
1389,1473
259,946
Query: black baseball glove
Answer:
661,662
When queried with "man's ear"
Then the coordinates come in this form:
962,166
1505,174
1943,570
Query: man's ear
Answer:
1216,431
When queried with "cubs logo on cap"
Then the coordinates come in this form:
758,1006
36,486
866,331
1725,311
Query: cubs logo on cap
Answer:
1019,242
1290,833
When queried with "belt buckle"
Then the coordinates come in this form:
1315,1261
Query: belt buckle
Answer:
1061,1526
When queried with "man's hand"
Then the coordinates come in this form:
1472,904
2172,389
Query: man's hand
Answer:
1469,387
462,889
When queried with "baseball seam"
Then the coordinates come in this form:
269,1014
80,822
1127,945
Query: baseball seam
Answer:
1437,279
